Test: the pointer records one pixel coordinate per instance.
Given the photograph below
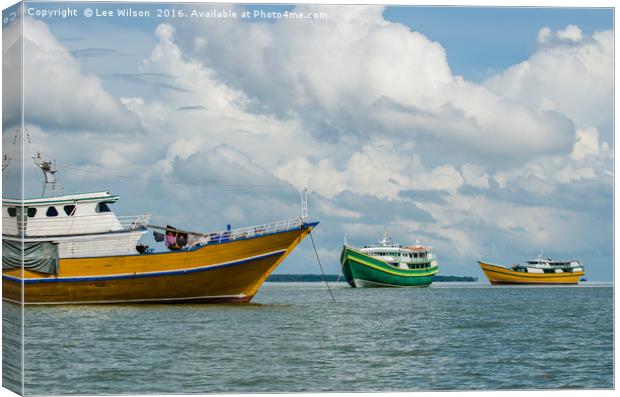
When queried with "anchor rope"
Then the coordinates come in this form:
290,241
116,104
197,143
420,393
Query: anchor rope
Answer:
321,266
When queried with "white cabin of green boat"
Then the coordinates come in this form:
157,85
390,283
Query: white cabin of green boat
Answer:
413,257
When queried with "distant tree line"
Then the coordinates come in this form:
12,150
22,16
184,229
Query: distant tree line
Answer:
283,278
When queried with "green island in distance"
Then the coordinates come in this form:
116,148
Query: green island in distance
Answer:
283,278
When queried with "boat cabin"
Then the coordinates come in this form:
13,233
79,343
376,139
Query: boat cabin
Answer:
401,257
68,215
540,265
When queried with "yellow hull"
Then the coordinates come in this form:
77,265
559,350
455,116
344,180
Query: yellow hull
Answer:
501,275
231,271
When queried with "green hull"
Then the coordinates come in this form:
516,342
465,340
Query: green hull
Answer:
361,270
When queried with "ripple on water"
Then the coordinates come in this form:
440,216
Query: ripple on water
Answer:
294,339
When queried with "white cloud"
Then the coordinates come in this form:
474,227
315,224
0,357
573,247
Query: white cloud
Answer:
328,208
223,118
475,175
365,76
381,169
472,222
587,144
356,114
570,33
570,73
589,160
59,96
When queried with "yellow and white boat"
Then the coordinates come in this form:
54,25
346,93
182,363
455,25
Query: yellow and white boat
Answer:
73,249
535,271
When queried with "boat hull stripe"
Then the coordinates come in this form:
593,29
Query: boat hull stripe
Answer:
146,274
207,298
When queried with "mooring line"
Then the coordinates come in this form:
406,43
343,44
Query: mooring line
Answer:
321,266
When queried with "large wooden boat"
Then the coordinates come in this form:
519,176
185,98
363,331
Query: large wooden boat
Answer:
73,249
535,271
388,265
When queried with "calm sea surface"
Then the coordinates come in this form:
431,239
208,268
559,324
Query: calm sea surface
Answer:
292,338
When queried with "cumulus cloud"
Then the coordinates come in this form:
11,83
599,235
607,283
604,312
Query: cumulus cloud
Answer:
570,73
589,160
58,96
224,117
376,77
475,175
473,219
367,114
382,169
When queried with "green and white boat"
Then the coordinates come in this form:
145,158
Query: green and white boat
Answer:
388,265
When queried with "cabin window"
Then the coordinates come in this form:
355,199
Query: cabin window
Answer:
12,212
69,209
31,212
103,207
51,211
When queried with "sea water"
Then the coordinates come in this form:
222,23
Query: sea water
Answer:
293,338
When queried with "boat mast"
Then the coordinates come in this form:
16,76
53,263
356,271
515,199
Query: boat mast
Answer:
51,185
386,238
304,203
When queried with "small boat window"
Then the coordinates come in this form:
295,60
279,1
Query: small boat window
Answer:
51,211
12,212
103,207
69,209
32,212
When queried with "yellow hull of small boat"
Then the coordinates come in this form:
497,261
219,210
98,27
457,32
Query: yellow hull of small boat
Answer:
501,275
232,271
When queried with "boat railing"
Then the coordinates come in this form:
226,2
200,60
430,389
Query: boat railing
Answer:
251,231
80,224
419,260
134,222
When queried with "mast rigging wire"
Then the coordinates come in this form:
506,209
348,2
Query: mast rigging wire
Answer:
170,181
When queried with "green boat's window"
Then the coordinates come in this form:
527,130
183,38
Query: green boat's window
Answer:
32,212
12,212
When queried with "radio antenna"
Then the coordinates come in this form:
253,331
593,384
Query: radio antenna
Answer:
51,185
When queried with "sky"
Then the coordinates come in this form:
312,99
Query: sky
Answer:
486,133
